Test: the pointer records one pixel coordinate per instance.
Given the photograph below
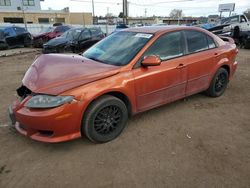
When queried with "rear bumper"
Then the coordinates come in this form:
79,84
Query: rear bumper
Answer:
48,125
233,69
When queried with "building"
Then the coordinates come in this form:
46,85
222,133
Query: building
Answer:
141,20
14,5
181,21
213,18
29,11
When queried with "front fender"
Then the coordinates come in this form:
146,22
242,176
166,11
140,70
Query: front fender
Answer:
122,83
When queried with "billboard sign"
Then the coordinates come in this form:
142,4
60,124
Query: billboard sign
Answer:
229,7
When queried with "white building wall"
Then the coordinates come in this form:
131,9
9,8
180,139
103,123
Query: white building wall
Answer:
18,3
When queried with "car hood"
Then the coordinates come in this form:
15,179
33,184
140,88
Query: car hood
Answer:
57,41
39,35
55,73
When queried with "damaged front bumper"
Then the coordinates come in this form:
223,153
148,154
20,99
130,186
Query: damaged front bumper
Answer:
51,125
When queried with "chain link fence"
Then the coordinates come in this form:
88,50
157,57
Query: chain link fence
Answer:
37,28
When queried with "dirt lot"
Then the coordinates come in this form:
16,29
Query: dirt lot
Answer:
196,142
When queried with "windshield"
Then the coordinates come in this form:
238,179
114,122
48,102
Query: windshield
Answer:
119,48
72,34
47,30
233,19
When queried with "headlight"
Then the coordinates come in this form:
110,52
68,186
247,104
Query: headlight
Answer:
47,101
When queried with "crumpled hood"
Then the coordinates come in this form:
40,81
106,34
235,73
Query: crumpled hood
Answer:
55,73
40,35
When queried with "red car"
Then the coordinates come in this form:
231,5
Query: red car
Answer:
64,97
49,33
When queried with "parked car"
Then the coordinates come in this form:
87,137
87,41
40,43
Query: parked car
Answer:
48,34
14,36
74,40
64,97
237,27
234,24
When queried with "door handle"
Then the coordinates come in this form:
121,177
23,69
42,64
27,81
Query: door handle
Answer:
180,66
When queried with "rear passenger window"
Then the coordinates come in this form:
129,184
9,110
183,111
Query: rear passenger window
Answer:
95,32
19,30
167,46
85,35
196,41
211,43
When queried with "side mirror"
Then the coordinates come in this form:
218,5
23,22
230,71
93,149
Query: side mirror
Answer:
151,60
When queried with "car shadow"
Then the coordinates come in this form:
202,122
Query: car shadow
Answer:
84,142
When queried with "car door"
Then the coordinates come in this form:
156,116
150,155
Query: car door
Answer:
20,35
244,24
200,61
10,36
96,34
84,40
156,85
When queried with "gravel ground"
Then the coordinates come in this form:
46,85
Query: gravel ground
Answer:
196,142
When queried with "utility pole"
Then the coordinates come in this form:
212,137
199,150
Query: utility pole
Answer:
93,11
24,18
107,20
125,11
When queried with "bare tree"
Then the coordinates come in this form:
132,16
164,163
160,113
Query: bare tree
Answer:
176,13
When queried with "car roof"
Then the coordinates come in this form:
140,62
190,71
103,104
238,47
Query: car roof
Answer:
78,28
157,29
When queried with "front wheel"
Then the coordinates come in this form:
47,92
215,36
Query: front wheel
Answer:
104,119
27,42
218,84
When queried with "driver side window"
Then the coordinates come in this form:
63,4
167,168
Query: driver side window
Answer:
85,35
168,46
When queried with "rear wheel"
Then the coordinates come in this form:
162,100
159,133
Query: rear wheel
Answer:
105,119
218,84
3,46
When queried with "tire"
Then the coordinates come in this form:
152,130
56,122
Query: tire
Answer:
105,119
3,46
247,44
60,50
236,33
27,42
219,83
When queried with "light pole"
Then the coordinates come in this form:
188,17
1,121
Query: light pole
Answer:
107,20
93,12
125,11
24,19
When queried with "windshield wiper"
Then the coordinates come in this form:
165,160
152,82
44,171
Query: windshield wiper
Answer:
105,62
95,59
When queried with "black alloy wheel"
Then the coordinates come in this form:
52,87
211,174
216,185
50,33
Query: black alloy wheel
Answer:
104,119
107,120
219,83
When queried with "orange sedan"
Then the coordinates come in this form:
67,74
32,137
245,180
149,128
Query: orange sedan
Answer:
64,97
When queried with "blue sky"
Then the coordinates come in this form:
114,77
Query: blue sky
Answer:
152,7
